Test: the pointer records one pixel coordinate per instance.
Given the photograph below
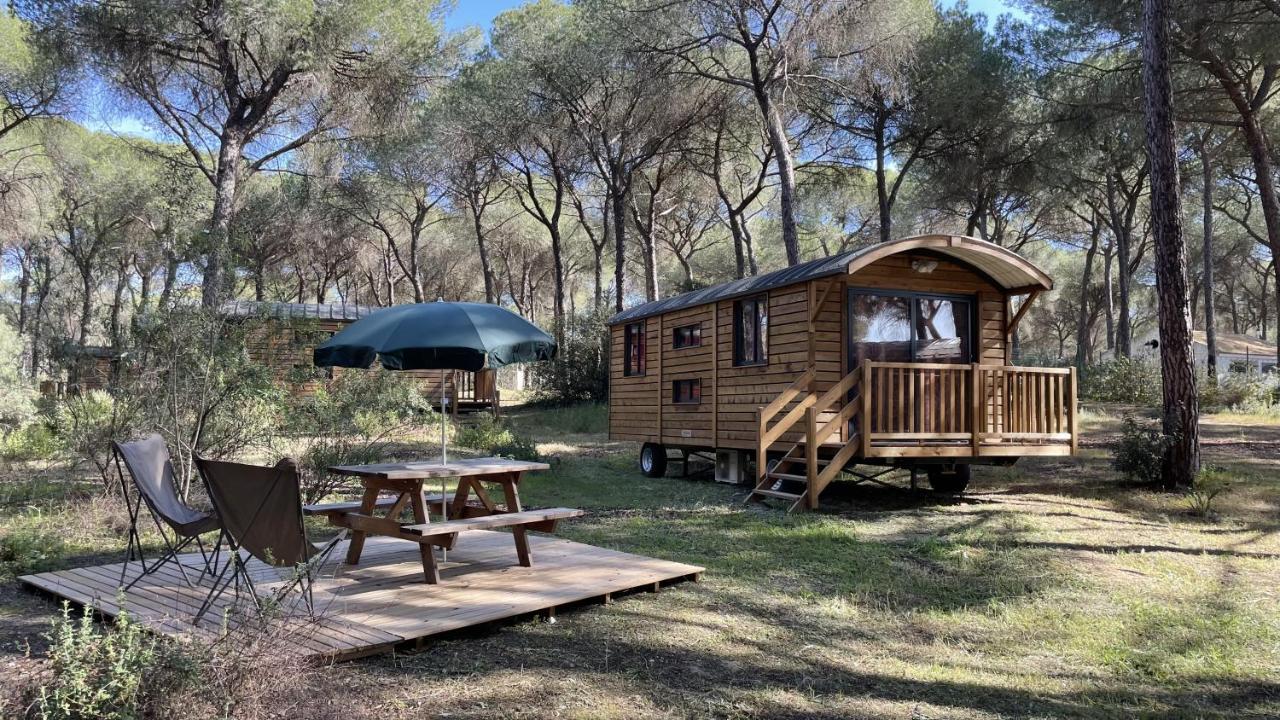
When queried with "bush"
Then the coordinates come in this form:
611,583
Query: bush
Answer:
24,551
580,371
1247,392
17,394
204,391
33,441
1123,380
1208,485
351,421
116,672
1139,452
492,435
87,424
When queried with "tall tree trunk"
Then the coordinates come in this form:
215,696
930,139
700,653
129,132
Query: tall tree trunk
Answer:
781,144
486,268
619,244
1082,319
1108,291
214,284
1120,232
117,303
882,185
1181,406
1206,195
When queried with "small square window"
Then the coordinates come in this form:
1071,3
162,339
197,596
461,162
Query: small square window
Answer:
686,336
633,359
686,392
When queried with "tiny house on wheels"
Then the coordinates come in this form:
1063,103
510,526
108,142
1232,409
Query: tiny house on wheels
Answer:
895,355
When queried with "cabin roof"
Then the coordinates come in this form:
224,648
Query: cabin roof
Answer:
1006,268
345,312
1233,344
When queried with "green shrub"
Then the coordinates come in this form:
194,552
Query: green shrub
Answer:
1123,380
494,436
1247,392
352,420
24,551
87,423
1139,452
114,672
580,372
17,393
1208,485
33,441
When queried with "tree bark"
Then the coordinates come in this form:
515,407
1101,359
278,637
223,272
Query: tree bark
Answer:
1206,195
214,284
1082,319
1181,406
619,243
781,145
1108,291
882,187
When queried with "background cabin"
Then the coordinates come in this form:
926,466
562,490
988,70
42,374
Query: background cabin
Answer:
897,354
288,346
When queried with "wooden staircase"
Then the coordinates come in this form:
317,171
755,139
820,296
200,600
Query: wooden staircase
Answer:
821,453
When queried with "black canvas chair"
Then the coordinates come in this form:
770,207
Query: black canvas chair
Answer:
149,466
260,509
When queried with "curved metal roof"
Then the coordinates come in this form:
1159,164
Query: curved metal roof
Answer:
1006,268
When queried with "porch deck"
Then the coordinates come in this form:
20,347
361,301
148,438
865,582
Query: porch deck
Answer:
382,604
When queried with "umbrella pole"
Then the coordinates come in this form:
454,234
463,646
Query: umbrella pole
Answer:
444,451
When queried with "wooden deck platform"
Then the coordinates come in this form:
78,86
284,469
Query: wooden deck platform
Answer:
382,603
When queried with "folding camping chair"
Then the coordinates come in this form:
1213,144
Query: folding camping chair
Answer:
152,472
261,513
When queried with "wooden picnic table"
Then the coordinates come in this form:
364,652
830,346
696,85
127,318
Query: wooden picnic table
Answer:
406,481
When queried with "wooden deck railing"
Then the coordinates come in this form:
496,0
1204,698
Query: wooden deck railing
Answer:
925,408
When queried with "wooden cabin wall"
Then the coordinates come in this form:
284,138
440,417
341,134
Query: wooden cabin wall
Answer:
278,347
633,401
731,396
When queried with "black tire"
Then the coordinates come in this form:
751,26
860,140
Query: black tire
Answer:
950,482
653,460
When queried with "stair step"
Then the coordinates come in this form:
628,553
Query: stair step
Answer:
787,476
777,494
804,461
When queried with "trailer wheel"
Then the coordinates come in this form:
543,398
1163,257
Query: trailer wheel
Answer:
653,460
950,482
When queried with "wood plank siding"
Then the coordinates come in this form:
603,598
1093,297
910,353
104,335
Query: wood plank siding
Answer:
641,408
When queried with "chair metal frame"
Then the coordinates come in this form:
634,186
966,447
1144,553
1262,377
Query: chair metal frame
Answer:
173,545
239,568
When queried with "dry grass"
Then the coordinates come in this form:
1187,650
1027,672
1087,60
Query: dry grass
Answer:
1049,590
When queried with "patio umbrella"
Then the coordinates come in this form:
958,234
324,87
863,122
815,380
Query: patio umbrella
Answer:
437,336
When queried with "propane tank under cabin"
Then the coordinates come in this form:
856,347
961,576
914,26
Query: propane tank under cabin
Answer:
896,355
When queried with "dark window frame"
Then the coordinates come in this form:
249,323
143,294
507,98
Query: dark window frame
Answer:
695,336
759,355
635,331
695,389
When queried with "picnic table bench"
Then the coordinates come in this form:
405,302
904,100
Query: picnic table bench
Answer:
462,513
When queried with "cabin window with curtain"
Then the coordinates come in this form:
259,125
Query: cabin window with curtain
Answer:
686,336
633,349
751,331
686,392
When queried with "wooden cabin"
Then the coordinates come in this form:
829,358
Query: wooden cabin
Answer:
898,355
289,347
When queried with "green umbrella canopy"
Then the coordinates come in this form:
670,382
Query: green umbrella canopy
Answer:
437,336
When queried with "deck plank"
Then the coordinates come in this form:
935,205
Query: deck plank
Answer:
382,602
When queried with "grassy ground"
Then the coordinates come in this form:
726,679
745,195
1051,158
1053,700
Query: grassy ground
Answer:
1049,590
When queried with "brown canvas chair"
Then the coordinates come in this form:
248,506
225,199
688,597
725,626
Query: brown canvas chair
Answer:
151,469
260,509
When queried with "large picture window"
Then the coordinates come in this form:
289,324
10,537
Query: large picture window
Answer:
909,327
633,360
751,331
